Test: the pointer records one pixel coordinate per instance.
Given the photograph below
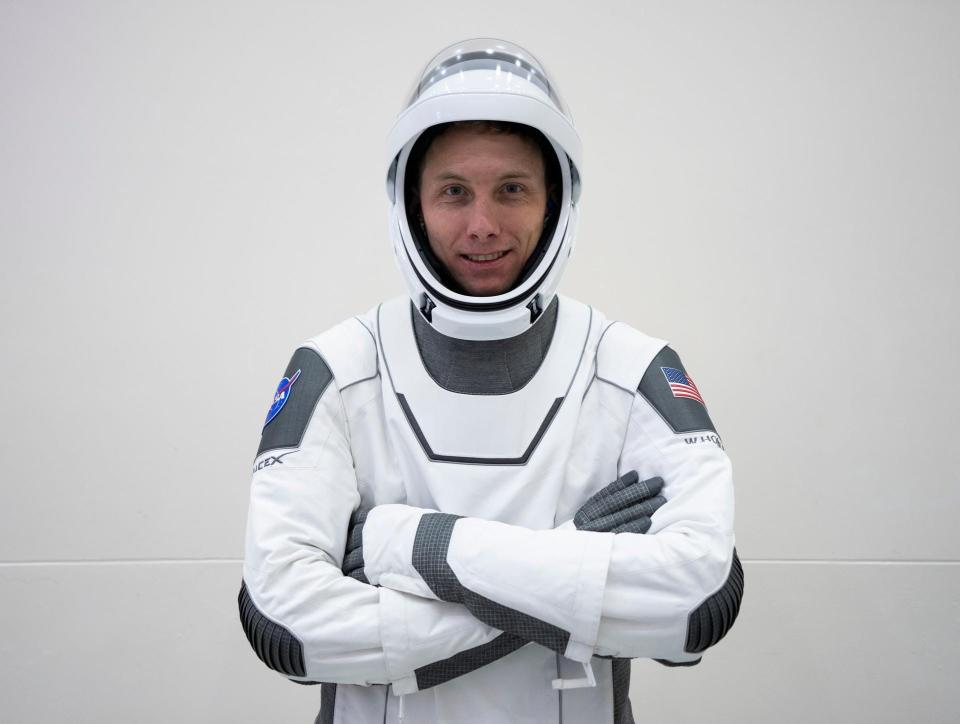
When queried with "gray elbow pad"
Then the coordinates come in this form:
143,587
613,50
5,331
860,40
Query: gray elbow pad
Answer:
714,617
275,645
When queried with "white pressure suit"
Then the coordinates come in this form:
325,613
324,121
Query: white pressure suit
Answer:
485,603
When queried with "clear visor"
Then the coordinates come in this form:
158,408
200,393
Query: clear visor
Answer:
491,54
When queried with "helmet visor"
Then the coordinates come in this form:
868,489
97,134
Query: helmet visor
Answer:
508,65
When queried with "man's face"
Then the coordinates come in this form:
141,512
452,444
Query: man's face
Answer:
483,196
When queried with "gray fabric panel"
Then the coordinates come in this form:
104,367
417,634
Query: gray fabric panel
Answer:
353,563
517,623
328,699
275,645
430,548
681,414
491,367
714,617
620,673
287,428
464,662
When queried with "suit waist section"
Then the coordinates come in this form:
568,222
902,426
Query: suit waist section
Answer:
516,688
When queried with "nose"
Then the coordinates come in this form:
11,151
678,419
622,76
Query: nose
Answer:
483,222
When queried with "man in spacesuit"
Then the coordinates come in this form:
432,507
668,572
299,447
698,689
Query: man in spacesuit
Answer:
478,502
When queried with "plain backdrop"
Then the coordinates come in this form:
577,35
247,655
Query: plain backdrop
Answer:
190,189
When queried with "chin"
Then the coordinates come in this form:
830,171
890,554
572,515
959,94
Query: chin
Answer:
487,290
474,291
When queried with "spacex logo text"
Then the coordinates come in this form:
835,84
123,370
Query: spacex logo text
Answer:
271,460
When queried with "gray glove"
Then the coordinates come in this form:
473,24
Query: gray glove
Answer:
624,506
353,555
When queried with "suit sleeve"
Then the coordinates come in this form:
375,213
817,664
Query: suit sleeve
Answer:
302,617
676,591
668,594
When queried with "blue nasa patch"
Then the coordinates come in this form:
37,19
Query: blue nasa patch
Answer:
281,396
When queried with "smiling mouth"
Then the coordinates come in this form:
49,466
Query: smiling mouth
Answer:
481,258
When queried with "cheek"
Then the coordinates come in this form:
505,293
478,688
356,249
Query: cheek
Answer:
442,230
529,226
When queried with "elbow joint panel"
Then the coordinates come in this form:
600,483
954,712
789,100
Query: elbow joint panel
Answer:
714,617
275,645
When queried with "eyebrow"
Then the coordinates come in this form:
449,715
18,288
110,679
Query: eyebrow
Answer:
450,176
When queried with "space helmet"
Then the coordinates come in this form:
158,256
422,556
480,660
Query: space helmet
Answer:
483,79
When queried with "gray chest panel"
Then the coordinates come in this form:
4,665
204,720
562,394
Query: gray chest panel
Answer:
491,367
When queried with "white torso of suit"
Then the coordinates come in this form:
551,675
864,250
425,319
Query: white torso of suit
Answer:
513,437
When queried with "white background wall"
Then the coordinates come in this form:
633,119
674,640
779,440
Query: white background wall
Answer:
189,189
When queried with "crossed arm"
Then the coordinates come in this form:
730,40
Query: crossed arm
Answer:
456,593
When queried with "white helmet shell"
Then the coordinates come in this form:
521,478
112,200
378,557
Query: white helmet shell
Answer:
484,80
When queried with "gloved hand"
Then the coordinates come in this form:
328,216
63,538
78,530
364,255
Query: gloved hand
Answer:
353,555
623,506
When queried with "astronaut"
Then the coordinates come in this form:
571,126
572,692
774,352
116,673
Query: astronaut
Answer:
476,503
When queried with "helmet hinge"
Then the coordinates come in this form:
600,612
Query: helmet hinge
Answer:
427,307
536,309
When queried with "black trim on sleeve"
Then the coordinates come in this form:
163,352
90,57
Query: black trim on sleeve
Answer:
682,414
464,662
715,616
287,428
275,645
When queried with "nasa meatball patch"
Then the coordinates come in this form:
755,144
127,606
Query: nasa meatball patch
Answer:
303,383
672,392
280,397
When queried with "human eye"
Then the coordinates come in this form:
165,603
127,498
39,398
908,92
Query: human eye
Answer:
454,191
513,188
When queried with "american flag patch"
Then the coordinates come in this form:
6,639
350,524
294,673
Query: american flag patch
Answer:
681,385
